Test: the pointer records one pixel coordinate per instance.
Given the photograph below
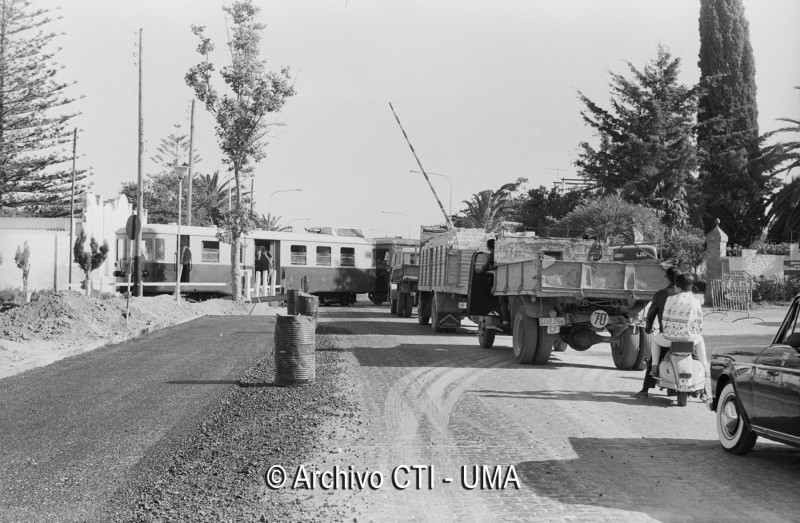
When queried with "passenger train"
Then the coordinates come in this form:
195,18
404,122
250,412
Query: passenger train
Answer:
335,264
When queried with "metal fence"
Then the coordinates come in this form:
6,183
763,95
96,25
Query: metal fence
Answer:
732,295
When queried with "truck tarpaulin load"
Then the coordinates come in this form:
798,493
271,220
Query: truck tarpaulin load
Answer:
445,257
550,293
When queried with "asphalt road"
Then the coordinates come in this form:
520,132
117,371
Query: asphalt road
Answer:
581,447
73,432
561,442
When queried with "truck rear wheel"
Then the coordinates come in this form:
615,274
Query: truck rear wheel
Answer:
423,310
435,314
402,298
409,306
529,339
393,307
549,341
485,336
644,350
625,349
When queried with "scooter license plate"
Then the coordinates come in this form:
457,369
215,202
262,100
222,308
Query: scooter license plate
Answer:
553,329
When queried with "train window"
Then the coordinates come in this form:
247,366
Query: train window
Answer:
323,256
160,249
298,254
348,255
147,249
209,251
381,258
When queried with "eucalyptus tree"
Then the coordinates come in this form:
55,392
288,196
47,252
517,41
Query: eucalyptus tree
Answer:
35,170
647,149
241,114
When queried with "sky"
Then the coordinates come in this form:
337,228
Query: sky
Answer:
486,90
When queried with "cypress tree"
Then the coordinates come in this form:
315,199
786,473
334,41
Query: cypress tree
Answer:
35,141
734,183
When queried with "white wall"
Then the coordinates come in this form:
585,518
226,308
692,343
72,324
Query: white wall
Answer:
49,244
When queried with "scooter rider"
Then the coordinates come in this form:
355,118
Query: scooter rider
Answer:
682,321
657,311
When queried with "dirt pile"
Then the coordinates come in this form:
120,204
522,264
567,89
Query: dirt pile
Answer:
72,318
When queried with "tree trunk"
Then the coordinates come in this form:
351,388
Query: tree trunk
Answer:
25,291
236,269
88,284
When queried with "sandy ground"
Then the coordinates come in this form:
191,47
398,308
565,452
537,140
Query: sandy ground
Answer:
64,324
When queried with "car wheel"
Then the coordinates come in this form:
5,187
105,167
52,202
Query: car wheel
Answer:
734,434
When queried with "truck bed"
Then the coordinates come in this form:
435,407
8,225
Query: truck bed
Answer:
552,278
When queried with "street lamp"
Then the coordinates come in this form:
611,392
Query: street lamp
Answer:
180,171
269,201
401,214
448,181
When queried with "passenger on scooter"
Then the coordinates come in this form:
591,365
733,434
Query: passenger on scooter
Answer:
657,311
682,321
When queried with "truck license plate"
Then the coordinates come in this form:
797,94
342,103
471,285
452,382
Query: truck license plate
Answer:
552,321
462,305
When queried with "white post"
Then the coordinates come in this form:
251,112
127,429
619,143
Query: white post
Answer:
247,278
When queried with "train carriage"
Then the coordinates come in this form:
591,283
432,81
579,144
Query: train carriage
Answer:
334,264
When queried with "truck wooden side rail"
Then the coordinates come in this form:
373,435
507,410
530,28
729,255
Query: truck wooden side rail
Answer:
554,303
444,277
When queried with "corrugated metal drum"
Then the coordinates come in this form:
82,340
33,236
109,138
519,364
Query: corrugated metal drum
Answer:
302,303
307,305
295,362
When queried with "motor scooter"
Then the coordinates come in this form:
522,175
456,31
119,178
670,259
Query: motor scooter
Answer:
680,370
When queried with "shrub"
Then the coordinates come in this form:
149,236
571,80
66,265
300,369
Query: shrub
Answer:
774,289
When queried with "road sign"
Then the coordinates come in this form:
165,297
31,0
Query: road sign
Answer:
132,227
791,268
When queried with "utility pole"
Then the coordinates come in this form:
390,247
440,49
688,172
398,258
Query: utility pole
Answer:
72,206
140,189
191,170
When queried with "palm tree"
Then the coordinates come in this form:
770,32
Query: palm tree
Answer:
271,223
211,199
490,210
784,214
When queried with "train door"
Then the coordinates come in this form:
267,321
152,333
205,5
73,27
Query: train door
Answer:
185,258
260,262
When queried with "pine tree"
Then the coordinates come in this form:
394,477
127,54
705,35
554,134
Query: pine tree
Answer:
647,150
35,172
734,184
174,150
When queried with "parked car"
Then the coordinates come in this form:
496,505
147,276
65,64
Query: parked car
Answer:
756,389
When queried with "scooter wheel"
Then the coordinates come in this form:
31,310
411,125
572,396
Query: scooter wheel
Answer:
682,398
